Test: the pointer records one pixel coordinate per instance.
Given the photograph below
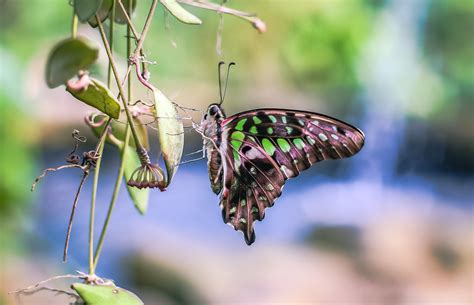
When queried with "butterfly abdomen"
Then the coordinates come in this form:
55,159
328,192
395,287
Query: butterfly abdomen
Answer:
214,165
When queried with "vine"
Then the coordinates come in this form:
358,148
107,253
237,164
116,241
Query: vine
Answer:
68,65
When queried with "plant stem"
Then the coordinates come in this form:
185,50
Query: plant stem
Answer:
129,21
100,151
93,202
117,80
71,217
113,200
74,25
120,174
146,26
111,42
134,32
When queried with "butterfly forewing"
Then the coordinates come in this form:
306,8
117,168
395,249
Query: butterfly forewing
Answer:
297,139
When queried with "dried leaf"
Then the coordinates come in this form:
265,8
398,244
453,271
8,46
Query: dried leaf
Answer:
170,132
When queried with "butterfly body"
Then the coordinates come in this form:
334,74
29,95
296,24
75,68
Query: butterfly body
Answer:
252,154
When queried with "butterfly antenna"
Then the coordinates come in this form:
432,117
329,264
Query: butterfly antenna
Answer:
226,81
220,81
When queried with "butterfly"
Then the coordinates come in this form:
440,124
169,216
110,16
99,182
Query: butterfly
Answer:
251,155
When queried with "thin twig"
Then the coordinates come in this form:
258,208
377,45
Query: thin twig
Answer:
53,169
71,217
129,21
57,277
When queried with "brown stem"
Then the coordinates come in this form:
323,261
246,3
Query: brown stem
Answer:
71,217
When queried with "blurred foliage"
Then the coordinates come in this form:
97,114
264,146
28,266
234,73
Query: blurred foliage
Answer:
451,52
446,45
446,256
16,164
345,240
26,26
323,47
161,281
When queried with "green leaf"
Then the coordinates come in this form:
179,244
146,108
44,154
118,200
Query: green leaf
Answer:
98,96
86,9
105,295
103,13
170,132
139,196
119,15
67,58
179,12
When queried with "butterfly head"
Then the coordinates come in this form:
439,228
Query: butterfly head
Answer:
214,112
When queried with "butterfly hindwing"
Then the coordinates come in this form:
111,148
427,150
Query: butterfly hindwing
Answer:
252,182
260,149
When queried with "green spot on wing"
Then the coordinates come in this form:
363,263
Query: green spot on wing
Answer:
272,118
284,145
283,119
236,158
240,124
299,143
236,139
256,120
270,130
253,130
268,146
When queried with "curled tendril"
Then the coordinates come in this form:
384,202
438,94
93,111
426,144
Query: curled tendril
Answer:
73,158
90,157
91,120
148,176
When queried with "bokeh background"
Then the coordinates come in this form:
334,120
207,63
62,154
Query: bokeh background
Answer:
392,225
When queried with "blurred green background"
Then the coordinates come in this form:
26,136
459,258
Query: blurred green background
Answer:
392,225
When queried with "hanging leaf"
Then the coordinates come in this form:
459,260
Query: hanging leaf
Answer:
97,95
105,295
119,15
86,9
103,13
179,12
170,132
117,138
69,57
